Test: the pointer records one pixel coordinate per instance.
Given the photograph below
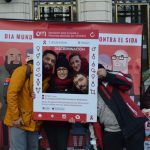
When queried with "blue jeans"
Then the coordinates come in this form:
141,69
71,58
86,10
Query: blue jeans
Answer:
23,140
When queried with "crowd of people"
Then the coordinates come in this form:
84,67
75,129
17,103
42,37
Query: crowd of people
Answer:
120,122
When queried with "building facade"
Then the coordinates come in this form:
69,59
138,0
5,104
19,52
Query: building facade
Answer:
87,10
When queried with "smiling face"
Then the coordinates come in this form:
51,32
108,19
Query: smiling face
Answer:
81,83
75,63
49,61
62,73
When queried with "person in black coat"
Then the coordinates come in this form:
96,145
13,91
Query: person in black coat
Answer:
58,131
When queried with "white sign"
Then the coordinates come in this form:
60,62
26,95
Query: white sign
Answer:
64,106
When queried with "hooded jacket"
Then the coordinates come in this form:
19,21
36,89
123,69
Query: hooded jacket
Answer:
20,101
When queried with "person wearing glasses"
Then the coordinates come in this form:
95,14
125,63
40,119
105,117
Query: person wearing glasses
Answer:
62,82
58,131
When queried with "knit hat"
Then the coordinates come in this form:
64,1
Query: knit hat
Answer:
100,66
62,61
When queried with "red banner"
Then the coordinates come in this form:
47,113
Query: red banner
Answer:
119,45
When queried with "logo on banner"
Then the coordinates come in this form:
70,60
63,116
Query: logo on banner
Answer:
52,115
91,117
64,116
40,115
41,33
77,117
92,34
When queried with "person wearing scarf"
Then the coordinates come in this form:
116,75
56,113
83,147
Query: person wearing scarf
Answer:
80,84
58,131
122,119
49,58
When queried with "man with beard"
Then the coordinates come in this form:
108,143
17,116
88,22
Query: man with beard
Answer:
49,62
78,64
23,128
80,83
123,121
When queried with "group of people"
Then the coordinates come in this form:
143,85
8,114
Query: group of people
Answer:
119,118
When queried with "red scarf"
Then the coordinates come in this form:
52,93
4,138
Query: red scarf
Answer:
63,84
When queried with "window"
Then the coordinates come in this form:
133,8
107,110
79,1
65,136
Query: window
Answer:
137,12
55,10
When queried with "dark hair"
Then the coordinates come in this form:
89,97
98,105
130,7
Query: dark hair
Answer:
78,73
100,66
74,54
49,52
62,61
74,88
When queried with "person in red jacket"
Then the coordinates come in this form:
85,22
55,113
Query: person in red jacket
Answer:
121,118
58,131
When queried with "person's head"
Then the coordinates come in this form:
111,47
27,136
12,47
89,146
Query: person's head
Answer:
75,61
29,56
49,61
62,66
80,82
12,59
